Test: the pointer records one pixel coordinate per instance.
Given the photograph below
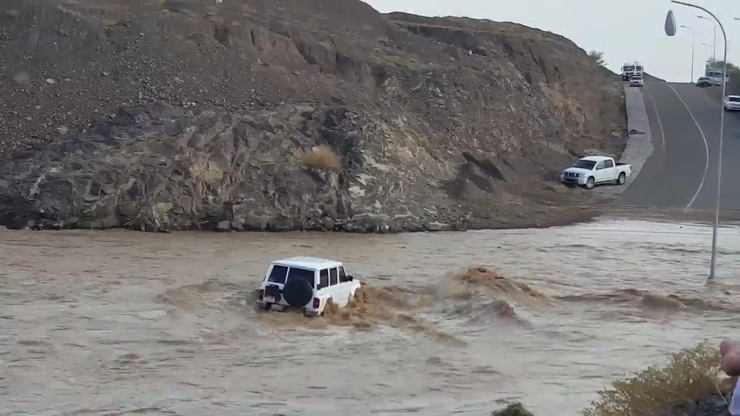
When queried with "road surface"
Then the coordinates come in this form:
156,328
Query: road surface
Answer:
682,171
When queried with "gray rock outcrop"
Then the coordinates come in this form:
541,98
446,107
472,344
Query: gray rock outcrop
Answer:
196,115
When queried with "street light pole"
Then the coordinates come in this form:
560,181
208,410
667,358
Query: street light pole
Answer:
714,31
715,226
693,44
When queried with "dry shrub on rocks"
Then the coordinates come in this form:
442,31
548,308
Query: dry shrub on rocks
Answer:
690,375
321,157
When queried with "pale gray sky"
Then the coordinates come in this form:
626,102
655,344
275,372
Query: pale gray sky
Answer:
625,30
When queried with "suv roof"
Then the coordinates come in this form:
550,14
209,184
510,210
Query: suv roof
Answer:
311,263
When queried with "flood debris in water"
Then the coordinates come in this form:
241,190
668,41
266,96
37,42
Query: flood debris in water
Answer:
484,293
471,293
479,280
387,305
657,302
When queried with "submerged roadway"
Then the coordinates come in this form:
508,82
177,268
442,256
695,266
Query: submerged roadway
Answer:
681,173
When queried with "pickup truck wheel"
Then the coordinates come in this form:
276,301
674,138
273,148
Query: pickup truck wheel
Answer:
621,179
590,182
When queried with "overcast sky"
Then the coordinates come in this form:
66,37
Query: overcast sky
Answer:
625,30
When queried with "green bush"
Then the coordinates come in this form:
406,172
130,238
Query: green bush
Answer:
690,375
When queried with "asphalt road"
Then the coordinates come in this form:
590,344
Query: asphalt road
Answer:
682,171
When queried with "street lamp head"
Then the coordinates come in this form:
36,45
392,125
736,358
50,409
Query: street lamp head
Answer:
670,24
685,27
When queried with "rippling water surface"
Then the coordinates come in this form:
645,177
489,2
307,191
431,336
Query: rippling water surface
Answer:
101,322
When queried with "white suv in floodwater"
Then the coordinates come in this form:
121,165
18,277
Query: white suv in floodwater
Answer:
307,283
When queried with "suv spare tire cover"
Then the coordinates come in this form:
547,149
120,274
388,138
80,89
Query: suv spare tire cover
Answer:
297,292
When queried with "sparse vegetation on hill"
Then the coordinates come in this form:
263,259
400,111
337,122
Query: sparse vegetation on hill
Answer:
598,57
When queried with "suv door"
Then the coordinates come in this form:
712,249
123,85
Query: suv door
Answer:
339,292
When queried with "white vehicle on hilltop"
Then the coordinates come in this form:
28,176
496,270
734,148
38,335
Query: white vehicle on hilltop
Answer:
306,283
594,170
714,74
630,69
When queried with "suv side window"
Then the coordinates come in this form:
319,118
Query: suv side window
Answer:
600,166
342,275
608,164
333,276
323,278
278,274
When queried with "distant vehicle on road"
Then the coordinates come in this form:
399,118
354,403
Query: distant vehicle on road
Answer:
732,103
704,82
713,71
595,170
636,81
631,68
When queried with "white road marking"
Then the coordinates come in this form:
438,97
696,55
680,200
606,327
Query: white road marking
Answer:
706,148
657,115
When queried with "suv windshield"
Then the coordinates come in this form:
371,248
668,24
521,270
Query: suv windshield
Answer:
585,164
297,273
733,99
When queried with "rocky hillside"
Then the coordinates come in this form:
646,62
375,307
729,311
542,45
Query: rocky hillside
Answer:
175,114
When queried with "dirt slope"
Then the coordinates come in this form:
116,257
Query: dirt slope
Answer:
185,114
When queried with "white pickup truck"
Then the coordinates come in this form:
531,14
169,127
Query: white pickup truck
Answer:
594,170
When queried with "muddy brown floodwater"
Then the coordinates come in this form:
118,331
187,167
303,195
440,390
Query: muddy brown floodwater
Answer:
114,322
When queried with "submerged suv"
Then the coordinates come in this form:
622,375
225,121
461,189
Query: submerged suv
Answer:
306,283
